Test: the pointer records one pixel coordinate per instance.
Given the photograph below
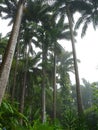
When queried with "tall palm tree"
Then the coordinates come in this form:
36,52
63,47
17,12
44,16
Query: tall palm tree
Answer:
64,8
79,100
65,66
57,32
8,57
49,33
22,104
37,12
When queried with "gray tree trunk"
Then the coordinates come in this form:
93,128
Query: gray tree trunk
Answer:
8,57
15,73
22,102
79,99
44,57
54,84
43,99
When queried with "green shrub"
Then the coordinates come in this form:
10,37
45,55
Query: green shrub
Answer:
91,117
46,126
71,121
10,117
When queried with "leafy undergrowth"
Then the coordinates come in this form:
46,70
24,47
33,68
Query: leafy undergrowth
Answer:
10,120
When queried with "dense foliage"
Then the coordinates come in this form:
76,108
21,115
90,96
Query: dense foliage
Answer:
39,93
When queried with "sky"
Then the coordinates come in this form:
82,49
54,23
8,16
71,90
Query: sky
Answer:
87,53
86,49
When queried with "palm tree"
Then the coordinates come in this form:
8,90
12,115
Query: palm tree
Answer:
31,6
25,80
79,100
64,8
49,33
37,12
8,57
57,32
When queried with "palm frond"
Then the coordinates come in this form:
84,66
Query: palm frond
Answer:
65,35
45,8
80,21
95,19
80,5
60,21
59,48
85,26
36,43
4,10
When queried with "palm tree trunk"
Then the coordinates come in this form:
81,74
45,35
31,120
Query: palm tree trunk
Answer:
54,84
23,94
15,73
8,57
22,102
43,85
79,99
43,99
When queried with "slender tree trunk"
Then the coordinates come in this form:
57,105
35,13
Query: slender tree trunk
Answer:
15,73
79,99
43,99
23,95
54,84
8,57
43,85
22,102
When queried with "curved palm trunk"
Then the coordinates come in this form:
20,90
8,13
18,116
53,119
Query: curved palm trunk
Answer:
79,100
8,57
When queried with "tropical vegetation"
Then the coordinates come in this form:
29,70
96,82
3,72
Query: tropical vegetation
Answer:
36,92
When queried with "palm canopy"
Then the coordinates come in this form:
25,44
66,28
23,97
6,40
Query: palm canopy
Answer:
9,8
88,10
89,15
66,62
74,6
36,11
33,10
